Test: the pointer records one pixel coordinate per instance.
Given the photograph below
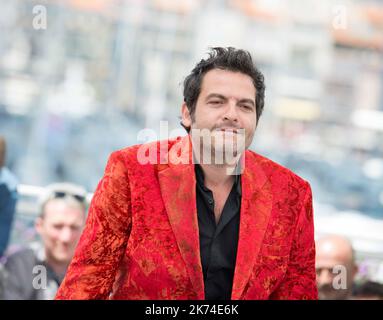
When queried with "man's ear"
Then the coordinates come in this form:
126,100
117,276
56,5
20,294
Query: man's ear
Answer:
186,118
39,225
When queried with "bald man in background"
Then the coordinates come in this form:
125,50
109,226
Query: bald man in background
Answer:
334,255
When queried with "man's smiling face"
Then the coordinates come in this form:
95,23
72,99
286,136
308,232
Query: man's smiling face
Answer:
226,108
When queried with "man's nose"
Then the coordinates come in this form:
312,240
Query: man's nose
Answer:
231,111
66,235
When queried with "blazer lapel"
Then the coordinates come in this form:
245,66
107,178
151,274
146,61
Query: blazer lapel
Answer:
256,206
178,188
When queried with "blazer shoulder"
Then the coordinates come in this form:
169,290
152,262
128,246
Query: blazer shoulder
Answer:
24,258
274,170
126,152
129,155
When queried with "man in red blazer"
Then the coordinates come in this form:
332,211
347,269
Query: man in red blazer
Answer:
176,219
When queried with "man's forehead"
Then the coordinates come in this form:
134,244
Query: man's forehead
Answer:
330,259
224,78
327,262
57,209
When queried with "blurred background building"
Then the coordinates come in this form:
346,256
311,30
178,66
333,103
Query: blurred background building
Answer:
101,70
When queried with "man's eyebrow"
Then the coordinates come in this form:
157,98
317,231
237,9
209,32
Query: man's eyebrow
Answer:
216,95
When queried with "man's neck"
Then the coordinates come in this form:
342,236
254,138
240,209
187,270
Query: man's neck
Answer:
217,175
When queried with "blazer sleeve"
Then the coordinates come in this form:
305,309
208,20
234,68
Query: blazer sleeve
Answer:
300,279
102,244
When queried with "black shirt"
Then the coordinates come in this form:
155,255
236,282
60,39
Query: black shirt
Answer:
218,242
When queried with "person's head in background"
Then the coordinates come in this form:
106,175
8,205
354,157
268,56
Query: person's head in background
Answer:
335,267
3,147
60,224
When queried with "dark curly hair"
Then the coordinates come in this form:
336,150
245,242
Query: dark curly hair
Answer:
230,59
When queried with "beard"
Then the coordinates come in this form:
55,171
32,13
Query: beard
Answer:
218,146
327,292
227,146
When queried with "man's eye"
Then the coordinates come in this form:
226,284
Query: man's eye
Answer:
247,107
215,102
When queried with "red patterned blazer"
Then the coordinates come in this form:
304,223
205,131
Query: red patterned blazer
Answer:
141,238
